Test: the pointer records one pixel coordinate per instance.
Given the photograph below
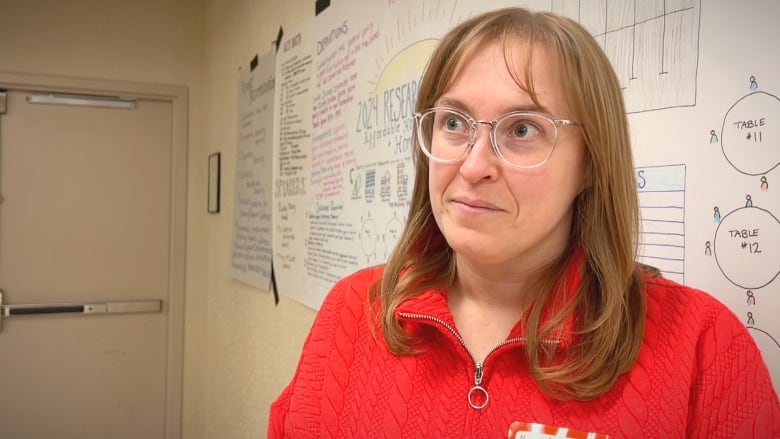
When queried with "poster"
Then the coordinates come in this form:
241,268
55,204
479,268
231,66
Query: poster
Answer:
701,92
251,254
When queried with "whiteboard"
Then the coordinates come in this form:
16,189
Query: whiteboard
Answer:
700,80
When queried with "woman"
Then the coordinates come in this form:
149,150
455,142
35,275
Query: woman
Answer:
513,294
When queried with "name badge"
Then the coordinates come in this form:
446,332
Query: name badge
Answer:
531,430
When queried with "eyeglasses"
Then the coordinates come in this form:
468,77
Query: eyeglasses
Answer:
520,139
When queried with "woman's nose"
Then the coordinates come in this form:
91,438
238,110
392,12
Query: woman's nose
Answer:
481,160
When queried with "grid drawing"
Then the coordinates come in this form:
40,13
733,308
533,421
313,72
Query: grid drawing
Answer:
653,46
661,192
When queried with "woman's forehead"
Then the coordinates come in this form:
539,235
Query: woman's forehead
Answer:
533,67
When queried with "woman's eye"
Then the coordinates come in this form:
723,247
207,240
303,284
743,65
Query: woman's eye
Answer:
525,130
454,124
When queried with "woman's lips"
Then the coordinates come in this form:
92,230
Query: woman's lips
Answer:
475,204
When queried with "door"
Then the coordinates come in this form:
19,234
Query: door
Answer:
87,219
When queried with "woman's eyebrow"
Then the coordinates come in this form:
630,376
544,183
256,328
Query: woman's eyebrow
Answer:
450,102
447,101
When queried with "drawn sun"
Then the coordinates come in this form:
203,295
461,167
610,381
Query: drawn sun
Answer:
416,33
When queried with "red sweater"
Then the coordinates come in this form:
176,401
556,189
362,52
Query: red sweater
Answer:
699,375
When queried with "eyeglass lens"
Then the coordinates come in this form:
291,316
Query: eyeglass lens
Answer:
521,139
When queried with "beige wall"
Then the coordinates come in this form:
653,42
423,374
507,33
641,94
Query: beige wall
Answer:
240,350
253,346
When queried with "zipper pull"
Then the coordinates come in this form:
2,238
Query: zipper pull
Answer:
478,397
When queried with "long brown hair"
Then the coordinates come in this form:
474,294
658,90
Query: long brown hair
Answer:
609,304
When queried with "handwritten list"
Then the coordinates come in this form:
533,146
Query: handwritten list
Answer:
252,233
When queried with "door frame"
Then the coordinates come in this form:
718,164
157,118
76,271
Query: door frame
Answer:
178,96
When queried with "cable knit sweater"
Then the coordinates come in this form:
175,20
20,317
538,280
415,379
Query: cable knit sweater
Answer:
699,375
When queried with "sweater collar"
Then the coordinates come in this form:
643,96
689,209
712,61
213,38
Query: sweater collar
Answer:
432,303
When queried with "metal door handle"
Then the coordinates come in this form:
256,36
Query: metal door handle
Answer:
121,307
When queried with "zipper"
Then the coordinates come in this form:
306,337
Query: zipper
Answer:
477,392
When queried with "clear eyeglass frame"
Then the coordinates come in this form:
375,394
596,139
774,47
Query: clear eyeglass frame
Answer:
426,149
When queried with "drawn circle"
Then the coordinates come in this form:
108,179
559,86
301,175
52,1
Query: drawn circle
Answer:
770,350
405,65
393,229
392,233
750,135
368,236
745,247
